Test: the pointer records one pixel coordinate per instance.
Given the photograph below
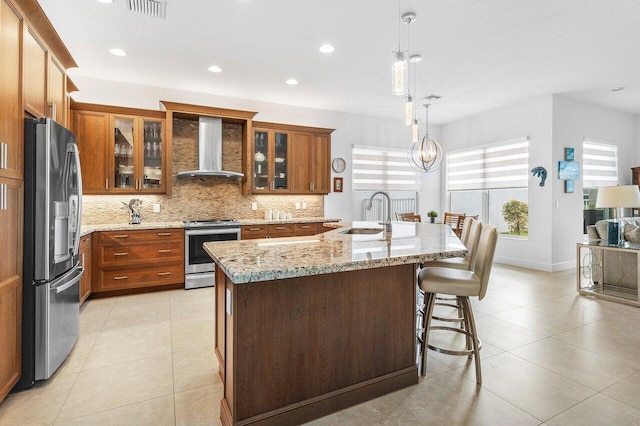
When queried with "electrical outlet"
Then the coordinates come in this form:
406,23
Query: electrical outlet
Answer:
156,207
297,205
254,206
304,205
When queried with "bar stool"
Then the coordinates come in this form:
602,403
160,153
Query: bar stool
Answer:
462,284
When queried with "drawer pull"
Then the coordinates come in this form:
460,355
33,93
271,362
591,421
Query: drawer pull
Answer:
164,251
254,229
120,236
280,228
162,274
121,254
122,277
305,227
164,234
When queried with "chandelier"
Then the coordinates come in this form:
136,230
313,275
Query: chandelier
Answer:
426,155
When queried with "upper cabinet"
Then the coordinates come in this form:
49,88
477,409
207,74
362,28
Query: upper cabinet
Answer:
271,149
11,145
34,68
122,147
286,159
56,93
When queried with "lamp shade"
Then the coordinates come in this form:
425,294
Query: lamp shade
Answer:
618,196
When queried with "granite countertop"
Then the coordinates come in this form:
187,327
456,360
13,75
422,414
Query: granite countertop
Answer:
294,220
249,261
87,229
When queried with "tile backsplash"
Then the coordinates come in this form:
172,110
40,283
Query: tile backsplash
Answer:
199,198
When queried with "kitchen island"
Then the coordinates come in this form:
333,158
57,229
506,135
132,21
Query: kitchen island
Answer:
306,326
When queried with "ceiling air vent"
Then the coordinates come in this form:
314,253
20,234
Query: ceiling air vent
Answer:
154,8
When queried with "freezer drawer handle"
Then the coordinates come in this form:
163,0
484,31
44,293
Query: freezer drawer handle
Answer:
164,251
121,277
160,274
121,254
78,274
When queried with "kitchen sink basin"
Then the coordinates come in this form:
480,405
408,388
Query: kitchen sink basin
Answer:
361,231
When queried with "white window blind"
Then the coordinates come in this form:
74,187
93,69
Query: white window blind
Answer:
599,164
504,165
382,168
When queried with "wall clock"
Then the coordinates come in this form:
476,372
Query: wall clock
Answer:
338,165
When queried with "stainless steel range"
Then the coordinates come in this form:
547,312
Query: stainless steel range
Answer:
199,269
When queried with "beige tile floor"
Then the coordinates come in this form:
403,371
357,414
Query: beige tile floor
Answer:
549,357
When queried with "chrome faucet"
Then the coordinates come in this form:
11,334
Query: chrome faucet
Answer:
387,223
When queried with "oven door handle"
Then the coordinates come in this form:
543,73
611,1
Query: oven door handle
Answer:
212,231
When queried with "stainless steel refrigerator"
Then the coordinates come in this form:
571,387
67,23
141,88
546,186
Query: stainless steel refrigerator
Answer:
51,273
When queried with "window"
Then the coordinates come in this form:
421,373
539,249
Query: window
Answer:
599,168
492,182
383,169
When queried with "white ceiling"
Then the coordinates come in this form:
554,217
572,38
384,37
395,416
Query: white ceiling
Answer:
477,54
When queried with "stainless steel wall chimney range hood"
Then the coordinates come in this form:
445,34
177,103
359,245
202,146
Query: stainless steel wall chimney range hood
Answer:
210,150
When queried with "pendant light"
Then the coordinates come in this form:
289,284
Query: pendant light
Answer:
414,59
408,18
426,155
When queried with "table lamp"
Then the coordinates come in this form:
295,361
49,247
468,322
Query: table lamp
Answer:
617,197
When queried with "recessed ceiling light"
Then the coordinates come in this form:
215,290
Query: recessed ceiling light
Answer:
214,68
415,58
292,82
617,89
118,52
327,48
105,1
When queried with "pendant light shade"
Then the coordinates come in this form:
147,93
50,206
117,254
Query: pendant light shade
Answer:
399,74
426,155
414,131
408,111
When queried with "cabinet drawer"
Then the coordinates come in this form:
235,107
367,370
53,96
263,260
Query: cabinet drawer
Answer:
302,229
151,236
124,278
280,230
124,254
250,232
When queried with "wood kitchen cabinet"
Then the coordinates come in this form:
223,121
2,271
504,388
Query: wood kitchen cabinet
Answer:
312,153
271,148
289,159
136,259
11,144
11,202
85,261
56,92
124,148
280,230
34,57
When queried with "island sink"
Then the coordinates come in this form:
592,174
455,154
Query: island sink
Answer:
361,231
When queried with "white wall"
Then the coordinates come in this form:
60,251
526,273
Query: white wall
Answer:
350,128
637,127
531,118
572,122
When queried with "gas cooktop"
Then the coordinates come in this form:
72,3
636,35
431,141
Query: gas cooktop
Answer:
211,223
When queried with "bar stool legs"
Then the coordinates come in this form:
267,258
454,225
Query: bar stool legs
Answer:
473,344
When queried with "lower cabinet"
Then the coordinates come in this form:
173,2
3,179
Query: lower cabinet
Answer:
136,259
85,261
280,230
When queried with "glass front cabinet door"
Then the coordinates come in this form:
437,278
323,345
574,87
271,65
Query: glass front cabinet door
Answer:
138,154
270,161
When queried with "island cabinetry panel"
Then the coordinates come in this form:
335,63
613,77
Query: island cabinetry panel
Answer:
85,261
127,148
326,342
136,259
11,209
11,144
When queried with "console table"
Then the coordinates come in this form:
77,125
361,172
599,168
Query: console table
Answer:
602,268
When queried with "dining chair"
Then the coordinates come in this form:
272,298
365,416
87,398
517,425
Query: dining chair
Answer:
462,284
455,221
408,217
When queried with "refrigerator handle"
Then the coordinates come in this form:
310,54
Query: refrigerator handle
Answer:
78,174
